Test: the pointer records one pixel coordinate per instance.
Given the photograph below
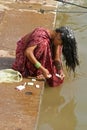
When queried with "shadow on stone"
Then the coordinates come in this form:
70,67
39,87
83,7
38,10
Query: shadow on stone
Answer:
6,62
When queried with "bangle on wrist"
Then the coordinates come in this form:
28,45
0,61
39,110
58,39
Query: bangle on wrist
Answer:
58,65
37,65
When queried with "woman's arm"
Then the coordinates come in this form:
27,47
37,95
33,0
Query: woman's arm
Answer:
29,52
58,60
58,53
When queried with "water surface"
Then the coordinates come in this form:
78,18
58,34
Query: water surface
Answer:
65,107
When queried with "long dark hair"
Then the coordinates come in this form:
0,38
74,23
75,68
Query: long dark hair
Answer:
69,47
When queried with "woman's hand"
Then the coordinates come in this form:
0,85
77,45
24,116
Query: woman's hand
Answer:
46,74
62,75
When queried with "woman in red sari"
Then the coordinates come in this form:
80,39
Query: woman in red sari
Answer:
39,54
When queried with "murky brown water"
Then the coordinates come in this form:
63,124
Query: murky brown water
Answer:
65,107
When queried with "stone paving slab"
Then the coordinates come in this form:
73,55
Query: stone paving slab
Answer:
18,20
19,109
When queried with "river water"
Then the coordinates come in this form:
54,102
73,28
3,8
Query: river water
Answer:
65,107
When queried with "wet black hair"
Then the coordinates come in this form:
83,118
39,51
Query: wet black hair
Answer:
69,47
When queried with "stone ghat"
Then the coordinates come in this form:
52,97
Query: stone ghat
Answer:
20,109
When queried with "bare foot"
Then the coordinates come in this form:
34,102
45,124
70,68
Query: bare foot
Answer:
40,77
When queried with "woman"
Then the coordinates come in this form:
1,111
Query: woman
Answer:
39,54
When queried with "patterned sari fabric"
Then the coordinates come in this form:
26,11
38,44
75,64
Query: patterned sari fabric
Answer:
42,52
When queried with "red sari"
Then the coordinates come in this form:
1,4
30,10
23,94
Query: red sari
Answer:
42,52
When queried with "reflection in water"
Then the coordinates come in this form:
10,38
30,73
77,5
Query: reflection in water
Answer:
56,111
65,108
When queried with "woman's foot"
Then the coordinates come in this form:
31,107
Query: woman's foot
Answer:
40,77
